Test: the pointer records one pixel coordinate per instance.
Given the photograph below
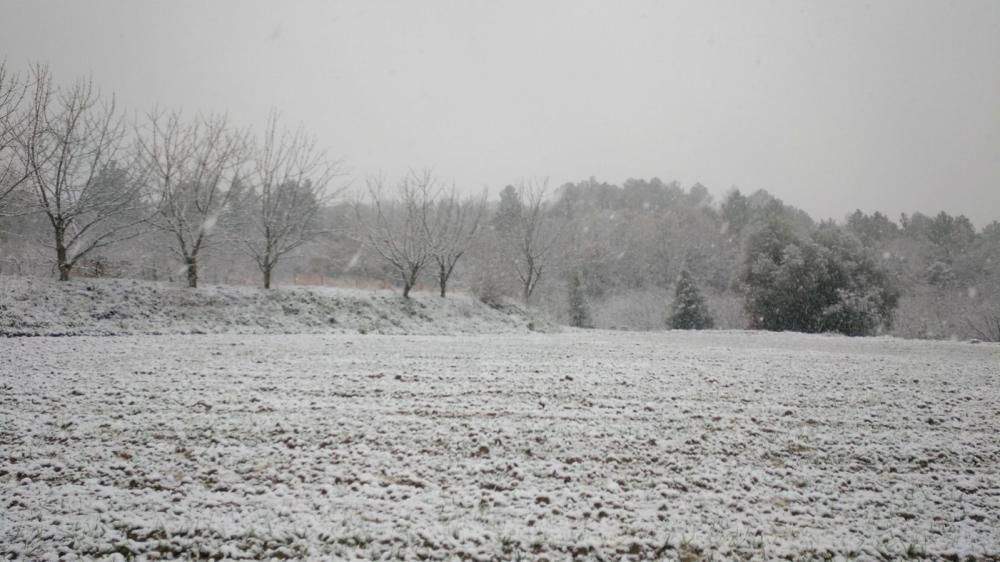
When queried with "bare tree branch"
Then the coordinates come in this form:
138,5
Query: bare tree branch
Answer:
13,92
987,328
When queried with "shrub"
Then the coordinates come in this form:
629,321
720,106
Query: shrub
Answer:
824,282
489,292
986,327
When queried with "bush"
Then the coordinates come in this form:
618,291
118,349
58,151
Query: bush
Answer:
488,291
689,310
824,282
986,327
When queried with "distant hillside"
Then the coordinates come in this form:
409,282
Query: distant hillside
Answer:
41,307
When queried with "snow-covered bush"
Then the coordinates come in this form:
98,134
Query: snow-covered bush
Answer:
820,282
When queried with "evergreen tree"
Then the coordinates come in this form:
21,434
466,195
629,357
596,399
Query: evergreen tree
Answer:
689,311
579,313
820,282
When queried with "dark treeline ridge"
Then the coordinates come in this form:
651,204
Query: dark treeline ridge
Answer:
86,191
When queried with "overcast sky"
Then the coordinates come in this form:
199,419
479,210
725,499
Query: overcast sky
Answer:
831,106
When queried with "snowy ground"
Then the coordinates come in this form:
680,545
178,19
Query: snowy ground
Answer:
31,306
597,445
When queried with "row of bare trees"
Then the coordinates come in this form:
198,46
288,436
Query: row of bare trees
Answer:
419,225
69,153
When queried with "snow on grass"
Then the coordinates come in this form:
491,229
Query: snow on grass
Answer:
596,445
98,307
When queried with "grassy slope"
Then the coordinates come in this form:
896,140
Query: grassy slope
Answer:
41,307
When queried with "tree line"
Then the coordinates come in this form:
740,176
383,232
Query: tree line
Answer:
96,179
165,195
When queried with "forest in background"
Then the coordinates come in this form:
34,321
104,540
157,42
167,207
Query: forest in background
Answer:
86,191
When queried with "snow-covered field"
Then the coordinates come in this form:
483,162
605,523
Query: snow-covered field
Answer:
597,445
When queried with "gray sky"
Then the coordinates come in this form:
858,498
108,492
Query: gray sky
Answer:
831,106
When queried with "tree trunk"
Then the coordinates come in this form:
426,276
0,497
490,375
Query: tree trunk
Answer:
192,271
443,279
529,287
410,280
268,264
61,262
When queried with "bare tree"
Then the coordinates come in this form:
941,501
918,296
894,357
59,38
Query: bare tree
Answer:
397,228
13,173
288,179
194,170
71,144
452,229
532,236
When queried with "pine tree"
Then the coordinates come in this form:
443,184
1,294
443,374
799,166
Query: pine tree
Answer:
579,315
689,310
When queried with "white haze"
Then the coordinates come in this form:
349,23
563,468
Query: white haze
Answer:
888,106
